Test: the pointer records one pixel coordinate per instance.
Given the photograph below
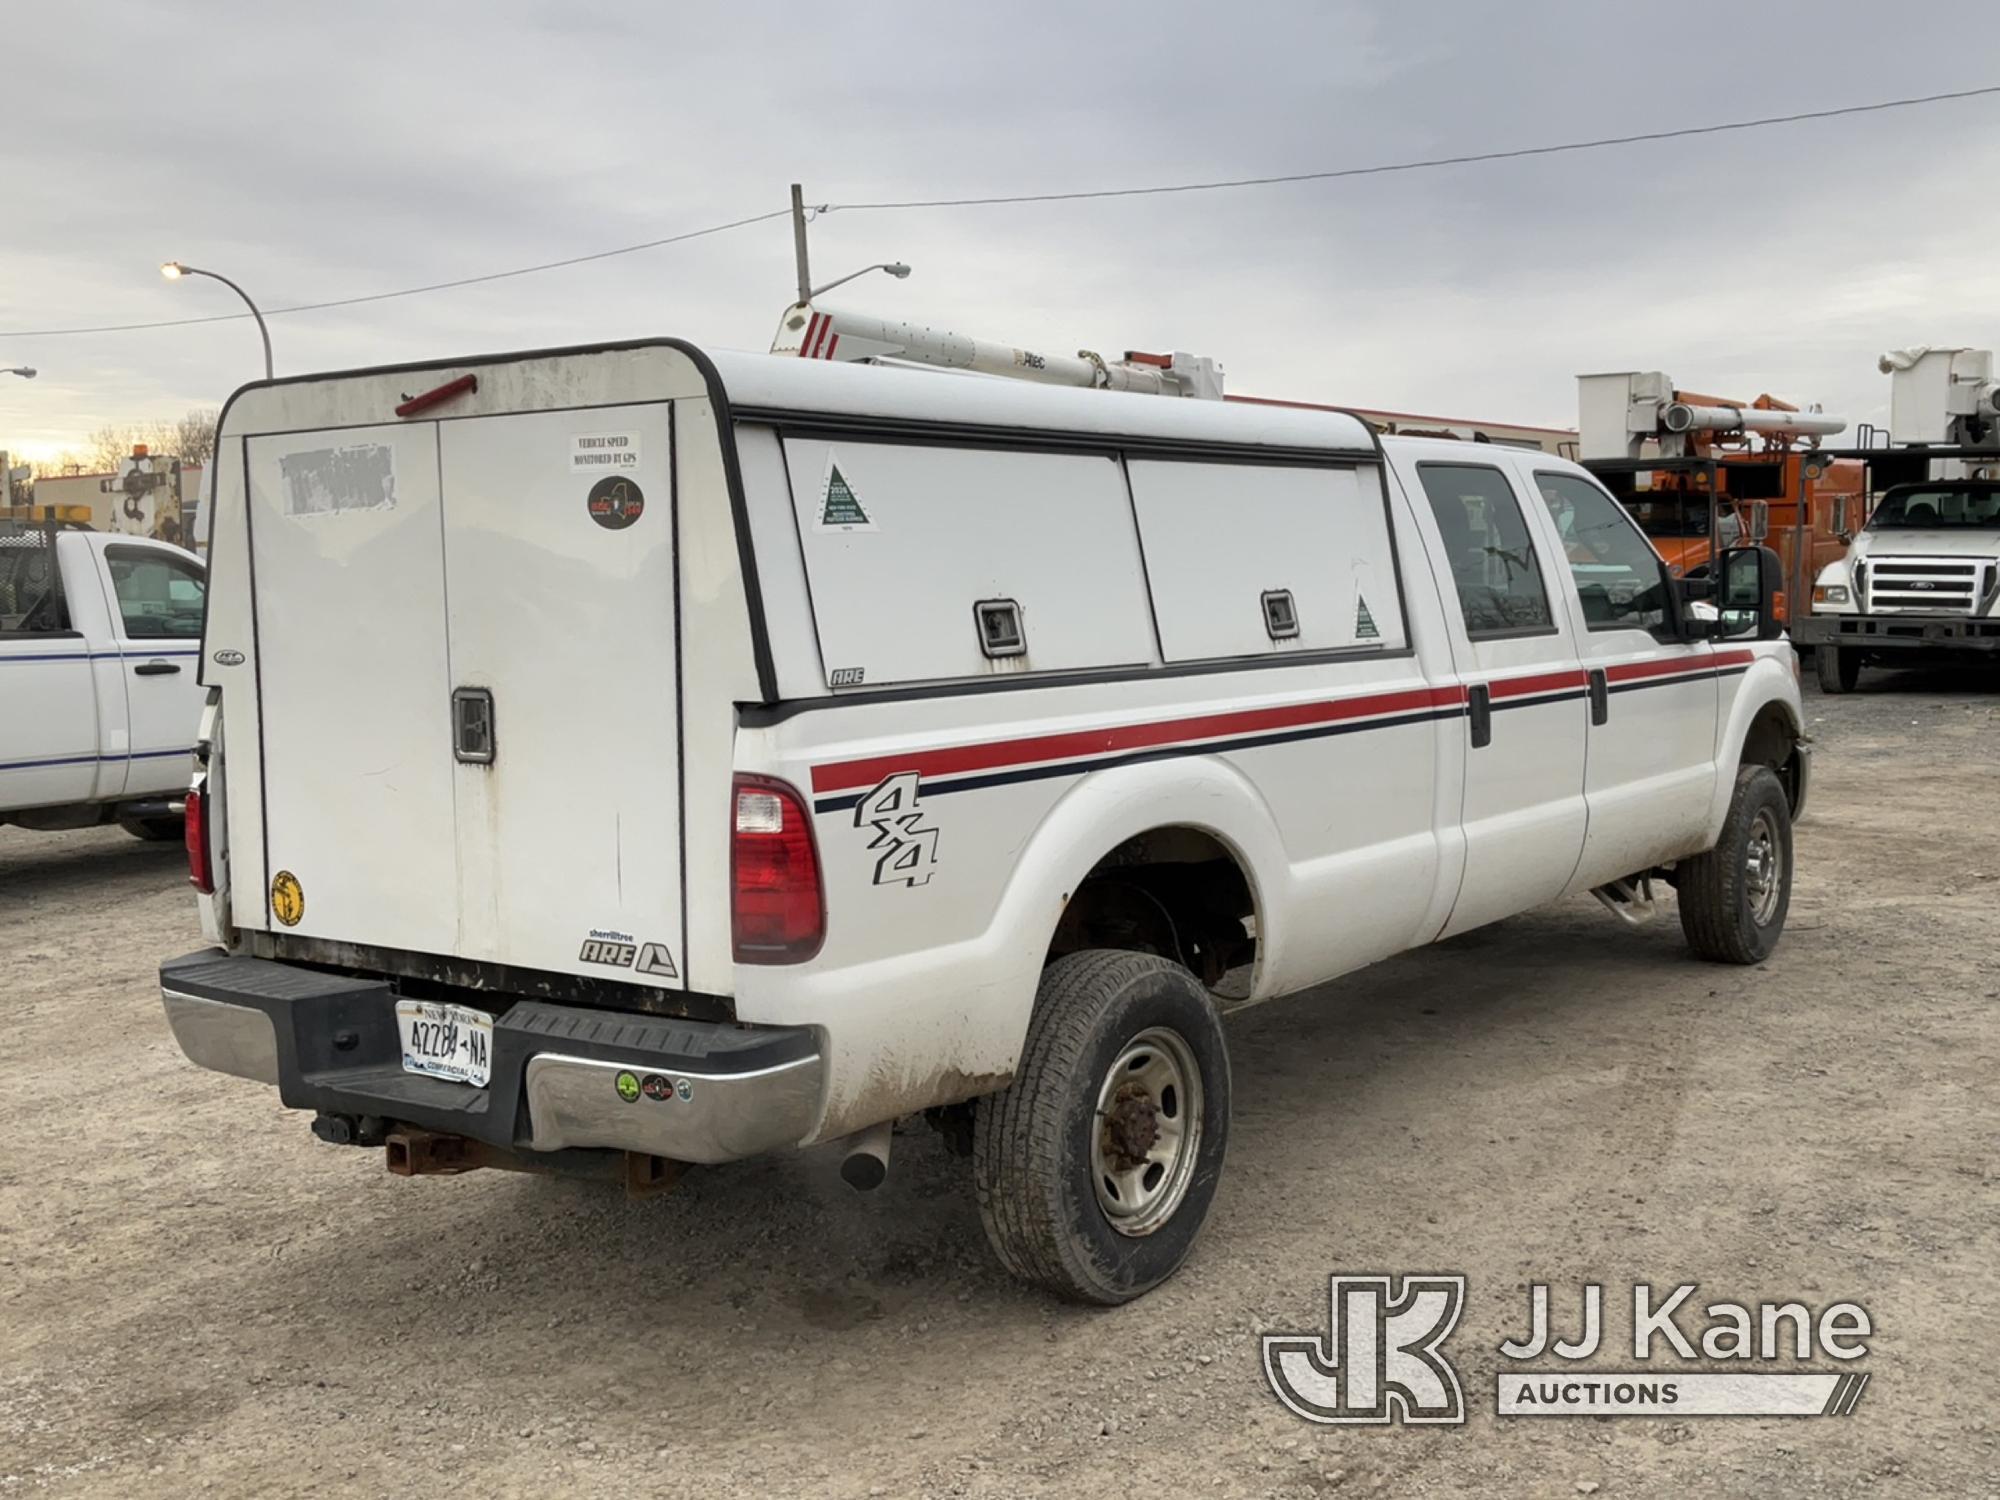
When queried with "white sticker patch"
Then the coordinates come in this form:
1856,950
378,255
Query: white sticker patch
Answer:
603,452
321,481
840,508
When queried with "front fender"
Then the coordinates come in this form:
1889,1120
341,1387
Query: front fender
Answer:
1770,686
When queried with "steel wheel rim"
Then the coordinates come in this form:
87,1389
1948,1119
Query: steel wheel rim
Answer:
1146,1132
1763,874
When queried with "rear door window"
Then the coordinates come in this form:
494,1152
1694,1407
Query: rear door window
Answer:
159,596
1486,544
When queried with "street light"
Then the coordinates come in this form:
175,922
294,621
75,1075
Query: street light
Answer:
26,372
173,270
895,268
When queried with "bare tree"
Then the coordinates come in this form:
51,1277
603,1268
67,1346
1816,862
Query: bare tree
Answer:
110,446
194,435
189,438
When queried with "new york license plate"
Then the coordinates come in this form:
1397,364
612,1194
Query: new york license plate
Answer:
446,1041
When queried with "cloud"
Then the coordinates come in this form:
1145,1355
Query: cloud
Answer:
332,151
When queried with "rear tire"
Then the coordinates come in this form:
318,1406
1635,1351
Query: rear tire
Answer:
1838,670
155,830
1734,898
1095,1168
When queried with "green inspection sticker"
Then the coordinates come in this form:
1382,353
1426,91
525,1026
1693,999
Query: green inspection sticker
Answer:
628,1086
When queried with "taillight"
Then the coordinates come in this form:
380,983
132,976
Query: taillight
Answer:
200,874
778,911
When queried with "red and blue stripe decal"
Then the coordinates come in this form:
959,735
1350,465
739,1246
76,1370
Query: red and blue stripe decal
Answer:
838,785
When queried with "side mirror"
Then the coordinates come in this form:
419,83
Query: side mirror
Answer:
1760,520
1694,607
1841,529
1750,589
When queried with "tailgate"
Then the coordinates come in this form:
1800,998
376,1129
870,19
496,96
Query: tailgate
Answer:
468,684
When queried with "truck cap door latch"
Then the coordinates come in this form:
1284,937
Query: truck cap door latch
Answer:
472,725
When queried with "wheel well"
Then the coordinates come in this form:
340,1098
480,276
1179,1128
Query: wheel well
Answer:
1774,742
1176,892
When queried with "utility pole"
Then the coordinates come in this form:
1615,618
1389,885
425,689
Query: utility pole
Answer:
799,243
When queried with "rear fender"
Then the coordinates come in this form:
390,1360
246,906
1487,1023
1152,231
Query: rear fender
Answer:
948,1023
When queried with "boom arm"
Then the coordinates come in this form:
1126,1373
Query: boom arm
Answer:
825,333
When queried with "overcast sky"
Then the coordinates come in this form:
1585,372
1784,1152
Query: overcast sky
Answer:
338,150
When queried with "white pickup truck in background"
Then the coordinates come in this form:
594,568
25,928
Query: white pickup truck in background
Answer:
100,639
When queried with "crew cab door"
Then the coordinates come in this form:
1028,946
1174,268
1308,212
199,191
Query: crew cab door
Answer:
156,597
1651,764
1515,652
49,735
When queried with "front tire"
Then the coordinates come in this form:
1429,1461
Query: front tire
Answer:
1839,670
1096,1166
1734,898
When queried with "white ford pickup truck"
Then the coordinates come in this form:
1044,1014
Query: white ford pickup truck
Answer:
628,757
99,642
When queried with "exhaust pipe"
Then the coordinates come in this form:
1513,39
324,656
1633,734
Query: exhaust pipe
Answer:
867,1159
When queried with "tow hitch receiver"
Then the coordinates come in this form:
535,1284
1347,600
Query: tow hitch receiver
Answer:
409,1152
430,1153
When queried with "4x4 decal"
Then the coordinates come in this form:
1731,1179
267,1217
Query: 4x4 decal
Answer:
908,850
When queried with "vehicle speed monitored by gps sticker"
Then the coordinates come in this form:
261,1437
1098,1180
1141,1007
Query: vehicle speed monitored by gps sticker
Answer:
446,1041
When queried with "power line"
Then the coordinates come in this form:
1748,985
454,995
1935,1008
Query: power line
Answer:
410,291
1333,174
1428,162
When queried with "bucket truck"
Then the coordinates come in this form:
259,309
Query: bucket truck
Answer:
1699,473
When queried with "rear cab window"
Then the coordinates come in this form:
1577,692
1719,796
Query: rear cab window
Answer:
31,597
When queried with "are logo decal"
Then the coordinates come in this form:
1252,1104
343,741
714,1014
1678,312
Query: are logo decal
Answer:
907,848
608,946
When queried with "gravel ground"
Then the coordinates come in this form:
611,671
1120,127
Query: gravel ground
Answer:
195,1295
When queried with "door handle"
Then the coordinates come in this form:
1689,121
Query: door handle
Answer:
1479,708
155,668
1600,696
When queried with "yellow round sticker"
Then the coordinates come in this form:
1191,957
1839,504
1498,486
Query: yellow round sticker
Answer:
288,898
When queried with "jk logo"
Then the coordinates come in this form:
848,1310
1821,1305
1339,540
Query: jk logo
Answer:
1379,1361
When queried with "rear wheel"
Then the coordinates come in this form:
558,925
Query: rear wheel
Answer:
1838,670
154,830
1095,1168
1734,898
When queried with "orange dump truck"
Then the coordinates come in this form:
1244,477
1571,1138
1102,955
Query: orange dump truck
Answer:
1701,473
